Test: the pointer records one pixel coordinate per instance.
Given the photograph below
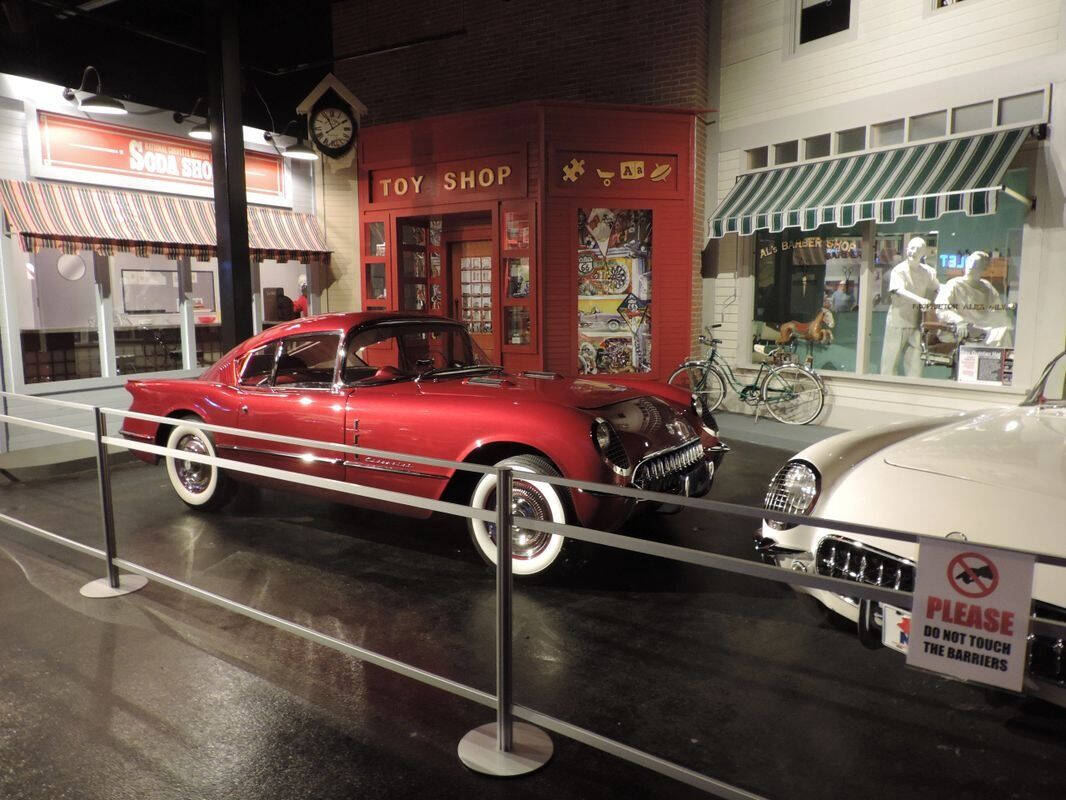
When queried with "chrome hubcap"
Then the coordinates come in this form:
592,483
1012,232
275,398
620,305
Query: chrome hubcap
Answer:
526,503
193,475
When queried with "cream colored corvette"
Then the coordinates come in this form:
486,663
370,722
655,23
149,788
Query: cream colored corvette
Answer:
995,477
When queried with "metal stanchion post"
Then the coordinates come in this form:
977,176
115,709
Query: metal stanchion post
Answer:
114,584
505,748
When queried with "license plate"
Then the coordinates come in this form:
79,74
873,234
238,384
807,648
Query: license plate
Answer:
895,628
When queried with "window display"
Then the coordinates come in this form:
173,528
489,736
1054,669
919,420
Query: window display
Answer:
807,293
614,290
963,300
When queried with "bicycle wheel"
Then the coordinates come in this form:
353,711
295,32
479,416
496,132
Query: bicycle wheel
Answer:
707,382
793,395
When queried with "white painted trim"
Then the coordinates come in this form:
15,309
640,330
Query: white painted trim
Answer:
331,81
886,148
187,320
105,314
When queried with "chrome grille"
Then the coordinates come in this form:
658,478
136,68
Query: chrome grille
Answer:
615,453
669,464
838,557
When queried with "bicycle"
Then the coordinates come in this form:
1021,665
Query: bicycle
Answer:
792,393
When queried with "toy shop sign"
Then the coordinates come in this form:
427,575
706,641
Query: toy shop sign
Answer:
638,174
488,178
83,149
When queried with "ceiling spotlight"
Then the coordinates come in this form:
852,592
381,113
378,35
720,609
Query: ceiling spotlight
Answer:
97,102
202,130
298,151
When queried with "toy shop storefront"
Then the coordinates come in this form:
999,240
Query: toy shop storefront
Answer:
560,234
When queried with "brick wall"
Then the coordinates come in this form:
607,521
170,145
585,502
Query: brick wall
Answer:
620,52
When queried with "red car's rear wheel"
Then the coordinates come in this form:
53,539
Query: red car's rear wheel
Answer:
199,485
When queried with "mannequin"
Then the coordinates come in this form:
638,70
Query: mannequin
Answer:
912,286
974,307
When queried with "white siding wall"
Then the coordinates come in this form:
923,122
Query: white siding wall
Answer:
905,59
899,45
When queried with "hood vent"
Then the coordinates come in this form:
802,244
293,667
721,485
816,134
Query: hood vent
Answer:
544,376
489,381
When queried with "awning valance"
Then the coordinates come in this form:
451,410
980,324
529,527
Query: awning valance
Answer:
925,180
70,217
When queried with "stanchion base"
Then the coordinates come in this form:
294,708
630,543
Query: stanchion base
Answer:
102,587
532,749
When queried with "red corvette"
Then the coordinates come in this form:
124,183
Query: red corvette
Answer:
418,384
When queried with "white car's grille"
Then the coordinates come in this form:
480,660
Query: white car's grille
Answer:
838,557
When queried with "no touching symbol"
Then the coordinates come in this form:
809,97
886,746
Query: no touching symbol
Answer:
973,575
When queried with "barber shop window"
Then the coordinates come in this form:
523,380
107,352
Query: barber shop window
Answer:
945,294
807,295
55,302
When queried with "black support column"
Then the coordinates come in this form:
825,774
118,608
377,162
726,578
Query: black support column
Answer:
227,156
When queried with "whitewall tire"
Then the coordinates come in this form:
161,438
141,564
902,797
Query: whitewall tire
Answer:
532,551
202,486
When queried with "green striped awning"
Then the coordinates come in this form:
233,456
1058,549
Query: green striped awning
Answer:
925,180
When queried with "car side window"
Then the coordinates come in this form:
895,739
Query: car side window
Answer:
307,361
258,366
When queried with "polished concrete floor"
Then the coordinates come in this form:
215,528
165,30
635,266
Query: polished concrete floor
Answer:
159,695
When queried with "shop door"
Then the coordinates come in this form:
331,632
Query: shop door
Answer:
474,292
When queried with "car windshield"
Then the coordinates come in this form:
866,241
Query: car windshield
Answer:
411,349
1051,388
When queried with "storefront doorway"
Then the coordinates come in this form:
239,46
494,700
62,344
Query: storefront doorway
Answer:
473,284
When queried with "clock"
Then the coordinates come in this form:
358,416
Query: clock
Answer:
332,129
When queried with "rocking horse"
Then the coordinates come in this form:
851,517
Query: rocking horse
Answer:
819,330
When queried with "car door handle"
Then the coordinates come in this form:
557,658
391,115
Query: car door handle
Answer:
244,409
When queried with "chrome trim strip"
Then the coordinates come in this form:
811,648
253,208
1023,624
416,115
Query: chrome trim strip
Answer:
375,468
144,437
304,457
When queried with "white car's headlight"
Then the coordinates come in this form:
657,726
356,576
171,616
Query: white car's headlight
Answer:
793,490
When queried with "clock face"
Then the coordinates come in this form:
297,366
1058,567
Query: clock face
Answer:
332,129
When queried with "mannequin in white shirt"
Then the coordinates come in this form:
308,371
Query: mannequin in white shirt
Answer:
972,304
912,286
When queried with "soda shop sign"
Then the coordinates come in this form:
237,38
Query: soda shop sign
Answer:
172,163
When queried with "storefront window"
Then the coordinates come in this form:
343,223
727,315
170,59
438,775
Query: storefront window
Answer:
414,250
807,294
145,308
517,277
375,239
206,312
614,290
518,326
946,294
57,314
285,289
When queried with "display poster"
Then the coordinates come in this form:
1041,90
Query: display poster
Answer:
979,364
77,145
614,290
970,617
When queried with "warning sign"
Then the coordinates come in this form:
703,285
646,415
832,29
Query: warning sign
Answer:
970,616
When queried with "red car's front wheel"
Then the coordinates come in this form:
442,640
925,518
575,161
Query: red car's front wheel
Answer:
532,551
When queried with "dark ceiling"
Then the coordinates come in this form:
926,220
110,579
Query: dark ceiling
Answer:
152,51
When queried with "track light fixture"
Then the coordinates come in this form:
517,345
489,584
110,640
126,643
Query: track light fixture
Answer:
298,151
97,102
201,130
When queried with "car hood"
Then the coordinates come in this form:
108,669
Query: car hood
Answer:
1021,448
582,393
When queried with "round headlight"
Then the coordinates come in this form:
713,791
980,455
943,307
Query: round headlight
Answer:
793,490
699,407
602,433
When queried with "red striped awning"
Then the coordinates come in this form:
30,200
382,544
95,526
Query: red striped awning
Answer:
70,217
